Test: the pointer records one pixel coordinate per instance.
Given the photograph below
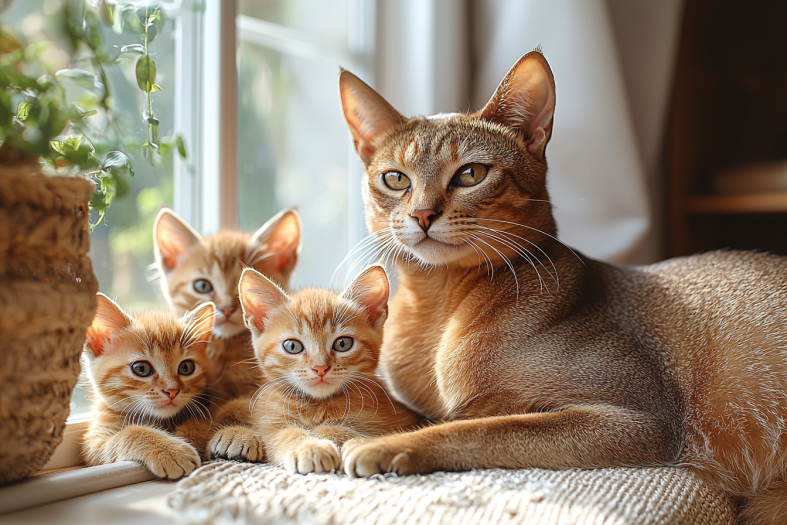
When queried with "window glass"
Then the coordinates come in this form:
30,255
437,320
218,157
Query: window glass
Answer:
294,150
324,20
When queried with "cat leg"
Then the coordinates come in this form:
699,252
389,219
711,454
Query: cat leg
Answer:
768,507
237,442
299,451
165,455
584,436
234,412
197,432
336,433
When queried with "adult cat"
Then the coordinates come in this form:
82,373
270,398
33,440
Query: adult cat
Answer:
541,357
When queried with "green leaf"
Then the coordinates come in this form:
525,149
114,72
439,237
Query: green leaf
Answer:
81,77
181,146
57,145
156,87
23,110
116,159
146,74
133,48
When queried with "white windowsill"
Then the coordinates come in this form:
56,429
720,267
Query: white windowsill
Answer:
45,488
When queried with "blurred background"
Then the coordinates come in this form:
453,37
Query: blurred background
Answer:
670,130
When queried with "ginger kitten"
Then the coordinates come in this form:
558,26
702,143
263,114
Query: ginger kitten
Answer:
198,269
542,357
319,351
147,375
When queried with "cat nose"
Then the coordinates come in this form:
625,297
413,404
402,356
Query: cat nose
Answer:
172,392
425,218
321,370
228,311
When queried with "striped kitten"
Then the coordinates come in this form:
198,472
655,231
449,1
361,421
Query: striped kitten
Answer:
147,376
319,351
198,269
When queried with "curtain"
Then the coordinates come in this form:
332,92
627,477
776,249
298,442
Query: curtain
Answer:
612,62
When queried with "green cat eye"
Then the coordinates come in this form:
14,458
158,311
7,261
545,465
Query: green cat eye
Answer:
343,344
470,175
396,180
292,346
202,286
142,368
186,368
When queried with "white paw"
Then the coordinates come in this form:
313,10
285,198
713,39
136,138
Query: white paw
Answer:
313,456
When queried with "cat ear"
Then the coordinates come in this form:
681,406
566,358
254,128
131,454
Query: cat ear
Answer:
282,239
258,297
371,290
367,114
198,325
525,101
171,238
109,320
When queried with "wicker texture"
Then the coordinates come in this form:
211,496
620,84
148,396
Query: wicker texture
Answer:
47,301
223,493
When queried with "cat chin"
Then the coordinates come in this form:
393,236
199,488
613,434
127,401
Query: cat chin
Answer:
322,391
166,412
438,253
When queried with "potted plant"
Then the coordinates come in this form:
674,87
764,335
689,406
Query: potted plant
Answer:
59,160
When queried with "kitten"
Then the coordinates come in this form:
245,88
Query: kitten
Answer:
198,269
319,350
147,374
543,357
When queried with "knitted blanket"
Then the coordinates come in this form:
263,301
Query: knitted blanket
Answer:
226,492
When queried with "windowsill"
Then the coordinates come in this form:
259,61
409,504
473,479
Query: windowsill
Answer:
47,487
138,504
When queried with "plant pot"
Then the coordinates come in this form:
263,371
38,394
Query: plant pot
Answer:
47,301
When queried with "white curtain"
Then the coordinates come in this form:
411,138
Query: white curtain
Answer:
612,62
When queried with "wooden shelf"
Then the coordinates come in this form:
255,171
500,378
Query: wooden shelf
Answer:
770,202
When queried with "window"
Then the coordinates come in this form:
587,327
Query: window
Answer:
293,146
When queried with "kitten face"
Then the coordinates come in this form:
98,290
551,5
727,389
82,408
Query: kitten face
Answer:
196,270
317,341
152,365
455,188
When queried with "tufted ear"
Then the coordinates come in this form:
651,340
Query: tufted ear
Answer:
171,238
525,101
259,296
198,325
108,322
371,290
281,238
368,115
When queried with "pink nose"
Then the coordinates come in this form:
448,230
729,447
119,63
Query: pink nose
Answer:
228,311
172,392
321,370
425,218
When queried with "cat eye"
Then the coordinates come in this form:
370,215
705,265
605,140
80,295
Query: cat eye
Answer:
186,368
396,180
141,368
292,346
470,175
343,344
202,286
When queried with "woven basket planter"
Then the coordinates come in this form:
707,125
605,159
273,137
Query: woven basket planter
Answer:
47,301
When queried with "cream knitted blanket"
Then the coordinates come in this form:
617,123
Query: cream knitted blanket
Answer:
225,492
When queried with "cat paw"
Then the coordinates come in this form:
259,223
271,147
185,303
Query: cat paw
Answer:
365,458
237,443
314,456
173,460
